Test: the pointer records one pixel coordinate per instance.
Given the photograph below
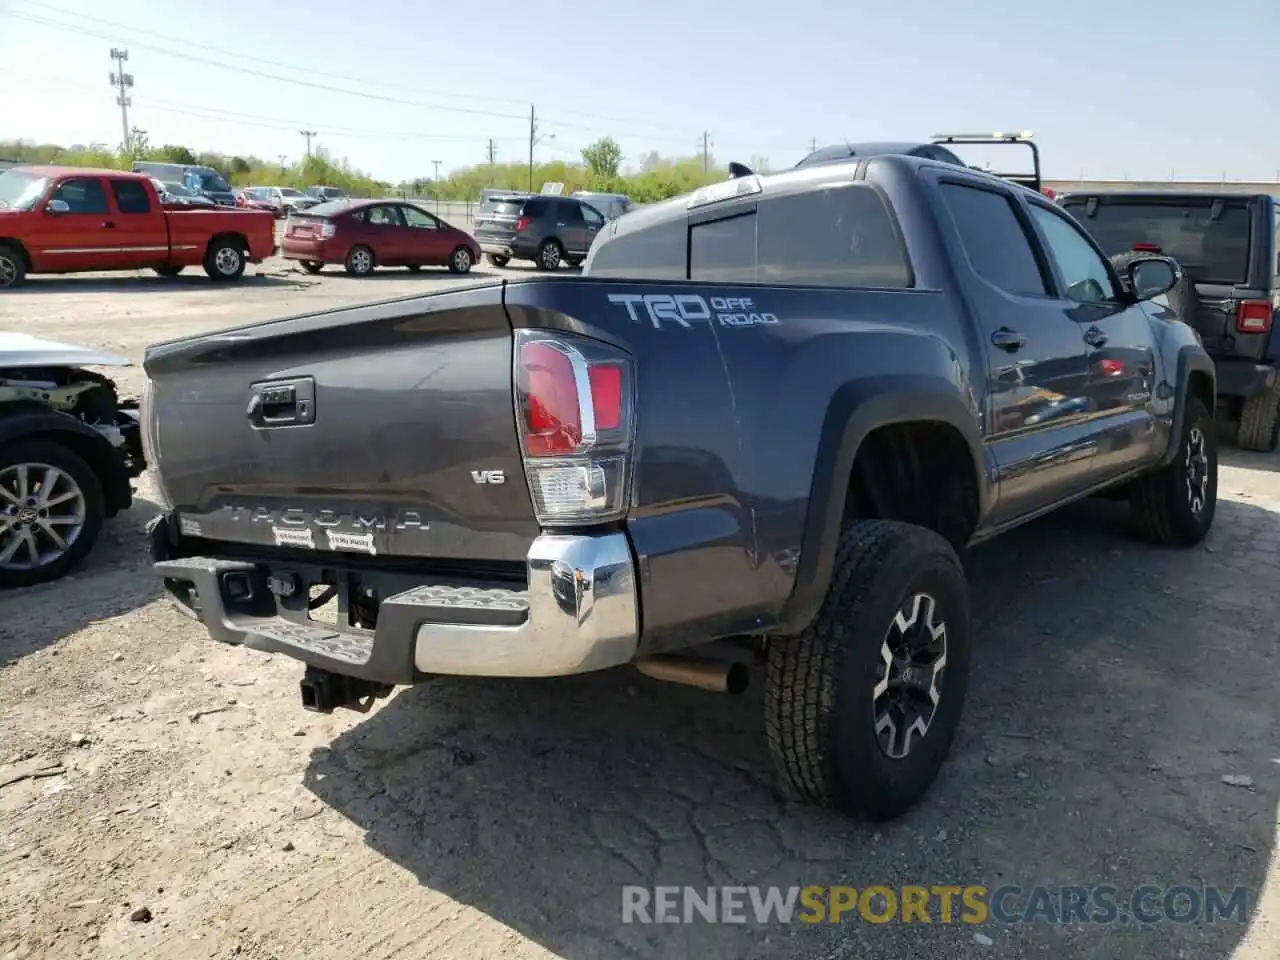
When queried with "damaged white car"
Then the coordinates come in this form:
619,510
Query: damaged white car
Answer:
70,448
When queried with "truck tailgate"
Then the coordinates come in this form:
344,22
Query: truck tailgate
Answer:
360,431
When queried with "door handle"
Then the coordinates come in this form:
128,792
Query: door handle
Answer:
1094,337
1010,340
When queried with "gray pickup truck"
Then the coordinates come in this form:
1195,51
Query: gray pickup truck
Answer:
769,414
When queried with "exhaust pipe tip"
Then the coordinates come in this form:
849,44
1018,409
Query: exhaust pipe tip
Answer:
729,677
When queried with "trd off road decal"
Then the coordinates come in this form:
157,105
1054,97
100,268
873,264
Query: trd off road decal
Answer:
686,309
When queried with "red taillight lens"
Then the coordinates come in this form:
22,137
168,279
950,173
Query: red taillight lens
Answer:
1148,247
574,417
1253,316
522,223
552,415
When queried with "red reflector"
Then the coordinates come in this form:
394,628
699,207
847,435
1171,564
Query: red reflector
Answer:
1253,316
553,422
1112,368
606,396
1148,247
522,223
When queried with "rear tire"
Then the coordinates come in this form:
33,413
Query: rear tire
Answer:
168,270
224,260
359,262
1174,505
1259,426
13,267
898,596
574,261
77,479
312,266
549,255
414,267
496,260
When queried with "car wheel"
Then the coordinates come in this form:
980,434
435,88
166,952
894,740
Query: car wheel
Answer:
460,261
497,260
549,255
1174,505
51,511
414,267
224,259
574,261
359,261
13,268
167,270
861,709
1259,426
312,266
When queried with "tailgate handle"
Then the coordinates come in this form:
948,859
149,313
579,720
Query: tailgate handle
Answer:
282,403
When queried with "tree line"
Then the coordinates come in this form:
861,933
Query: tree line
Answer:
600,168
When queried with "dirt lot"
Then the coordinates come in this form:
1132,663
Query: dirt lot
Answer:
1114,688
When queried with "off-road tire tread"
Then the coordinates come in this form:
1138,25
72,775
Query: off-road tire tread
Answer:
801,672
1259,426
1156,501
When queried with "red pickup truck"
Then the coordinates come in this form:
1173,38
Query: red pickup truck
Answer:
71,220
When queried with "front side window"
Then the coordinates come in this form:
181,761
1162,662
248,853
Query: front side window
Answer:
419,219
383,217
592,216
83,195
1083,271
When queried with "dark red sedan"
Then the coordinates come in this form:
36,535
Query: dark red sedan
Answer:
364,234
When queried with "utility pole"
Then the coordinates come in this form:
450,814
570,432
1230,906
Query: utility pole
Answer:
706,152
813,144
492,152
435,185
308,134
283,157
533,127
122,82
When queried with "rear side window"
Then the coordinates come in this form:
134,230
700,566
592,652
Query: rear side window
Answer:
994,239
83,195
536,208
654,253
1211,245
724,251
840,236
131,196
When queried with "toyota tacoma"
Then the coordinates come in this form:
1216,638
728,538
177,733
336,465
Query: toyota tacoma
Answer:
770,413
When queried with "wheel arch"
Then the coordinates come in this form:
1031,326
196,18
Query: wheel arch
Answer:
1196,377
31,421
858,414
20,248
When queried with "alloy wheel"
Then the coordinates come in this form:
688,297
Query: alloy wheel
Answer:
42,513
1196,464
913,658
8,272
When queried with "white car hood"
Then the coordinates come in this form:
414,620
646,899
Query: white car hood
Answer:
23,350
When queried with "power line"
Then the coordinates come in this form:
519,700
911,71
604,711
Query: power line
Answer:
182,55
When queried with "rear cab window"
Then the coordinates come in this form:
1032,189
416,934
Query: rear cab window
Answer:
1210,238
131,196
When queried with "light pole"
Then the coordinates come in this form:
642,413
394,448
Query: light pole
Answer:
435,185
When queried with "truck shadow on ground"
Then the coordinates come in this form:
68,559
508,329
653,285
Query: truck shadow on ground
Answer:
114,579
335,272
145,283
1113,686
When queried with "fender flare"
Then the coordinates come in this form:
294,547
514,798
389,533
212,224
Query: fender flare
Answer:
22,419
1192,358
858,408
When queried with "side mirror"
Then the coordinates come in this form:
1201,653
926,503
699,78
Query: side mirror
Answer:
58,206
1151,276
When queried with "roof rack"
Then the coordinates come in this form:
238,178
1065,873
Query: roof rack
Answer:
1031,180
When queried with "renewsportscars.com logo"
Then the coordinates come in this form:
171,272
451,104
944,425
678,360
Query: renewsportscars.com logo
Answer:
937,904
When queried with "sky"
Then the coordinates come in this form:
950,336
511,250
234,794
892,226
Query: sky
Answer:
1109,89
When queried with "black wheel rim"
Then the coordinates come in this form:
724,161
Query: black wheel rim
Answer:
909,676
8,272
1196,468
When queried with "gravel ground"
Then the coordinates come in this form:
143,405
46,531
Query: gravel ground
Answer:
1121,731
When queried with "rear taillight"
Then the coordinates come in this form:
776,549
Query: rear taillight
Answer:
328,229
523,223
1253,316
574,411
